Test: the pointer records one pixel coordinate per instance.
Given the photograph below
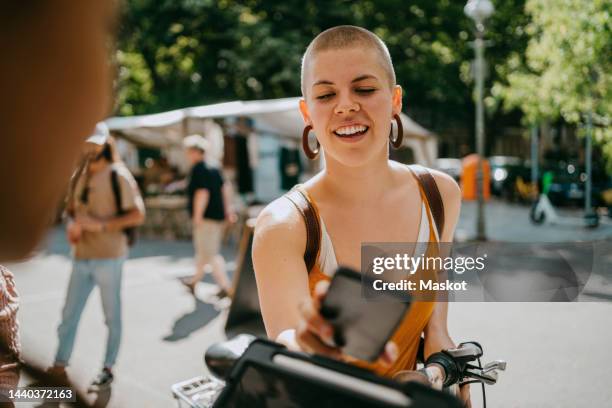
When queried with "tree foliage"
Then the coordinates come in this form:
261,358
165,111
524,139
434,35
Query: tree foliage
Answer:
176,53
566,70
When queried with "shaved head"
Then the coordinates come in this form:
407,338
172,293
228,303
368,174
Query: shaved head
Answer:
342,37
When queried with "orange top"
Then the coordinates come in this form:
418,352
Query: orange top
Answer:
408,334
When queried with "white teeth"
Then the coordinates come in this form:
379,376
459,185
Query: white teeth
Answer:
350,130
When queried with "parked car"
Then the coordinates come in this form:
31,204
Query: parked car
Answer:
568,185
504,173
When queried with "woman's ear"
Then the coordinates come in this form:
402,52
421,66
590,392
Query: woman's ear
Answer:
304,112
397,100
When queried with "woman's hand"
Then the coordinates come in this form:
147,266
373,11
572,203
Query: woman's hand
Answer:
435,374
314,334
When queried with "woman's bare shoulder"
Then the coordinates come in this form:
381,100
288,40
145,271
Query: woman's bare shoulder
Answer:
449,189
281,224
449,192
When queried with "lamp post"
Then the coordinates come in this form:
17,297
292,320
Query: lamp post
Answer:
590,216
479,11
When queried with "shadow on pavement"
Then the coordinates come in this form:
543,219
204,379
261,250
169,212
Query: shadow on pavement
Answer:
599,296
102,398
202,314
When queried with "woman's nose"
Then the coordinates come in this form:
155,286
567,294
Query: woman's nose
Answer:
346,105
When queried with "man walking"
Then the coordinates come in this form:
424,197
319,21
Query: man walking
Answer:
105,202
209,206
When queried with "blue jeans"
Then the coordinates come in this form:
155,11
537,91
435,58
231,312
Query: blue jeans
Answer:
106,273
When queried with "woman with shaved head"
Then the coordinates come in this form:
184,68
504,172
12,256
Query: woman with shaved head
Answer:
350,99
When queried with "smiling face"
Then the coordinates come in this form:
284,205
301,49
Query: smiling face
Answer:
350,103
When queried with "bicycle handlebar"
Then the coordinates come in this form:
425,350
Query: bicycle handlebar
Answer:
220,357
457,368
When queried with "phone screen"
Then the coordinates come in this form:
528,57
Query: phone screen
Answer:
362,326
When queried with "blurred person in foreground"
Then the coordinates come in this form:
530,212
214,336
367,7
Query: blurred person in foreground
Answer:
209,205
46,112
96,231
56,86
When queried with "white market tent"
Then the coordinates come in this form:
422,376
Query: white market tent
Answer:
280,117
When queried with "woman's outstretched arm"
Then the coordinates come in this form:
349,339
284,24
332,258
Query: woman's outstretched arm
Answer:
291,315
282,278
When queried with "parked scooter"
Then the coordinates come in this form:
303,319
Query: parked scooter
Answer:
542,210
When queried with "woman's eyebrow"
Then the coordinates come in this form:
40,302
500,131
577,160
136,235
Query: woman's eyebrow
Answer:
363,77
359,78
322,82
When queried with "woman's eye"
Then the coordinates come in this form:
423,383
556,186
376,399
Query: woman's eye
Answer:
325,96
365,91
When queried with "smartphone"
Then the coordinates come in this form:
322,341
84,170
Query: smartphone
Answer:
362,326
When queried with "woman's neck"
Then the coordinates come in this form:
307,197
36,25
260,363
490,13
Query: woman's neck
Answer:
363,184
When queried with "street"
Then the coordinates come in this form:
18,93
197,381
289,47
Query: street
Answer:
557,353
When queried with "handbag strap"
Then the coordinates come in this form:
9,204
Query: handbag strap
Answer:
116,191
313,228
432,193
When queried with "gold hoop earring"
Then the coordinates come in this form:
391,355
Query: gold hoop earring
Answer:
397,142
311,154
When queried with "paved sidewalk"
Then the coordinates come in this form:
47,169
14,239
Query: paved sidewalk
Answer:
510,223
165,329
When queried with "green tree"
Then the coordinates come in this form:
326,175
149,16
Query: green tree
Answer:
134,83
566,70
178,53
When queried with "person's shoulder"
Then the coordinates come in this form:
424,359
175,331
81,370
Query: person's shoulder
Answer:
451,199
215,170
199,170
280,214
449,189
280,223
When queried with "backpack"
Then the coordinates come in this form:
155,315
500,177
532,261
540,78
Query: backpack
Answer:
313,228
130,232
